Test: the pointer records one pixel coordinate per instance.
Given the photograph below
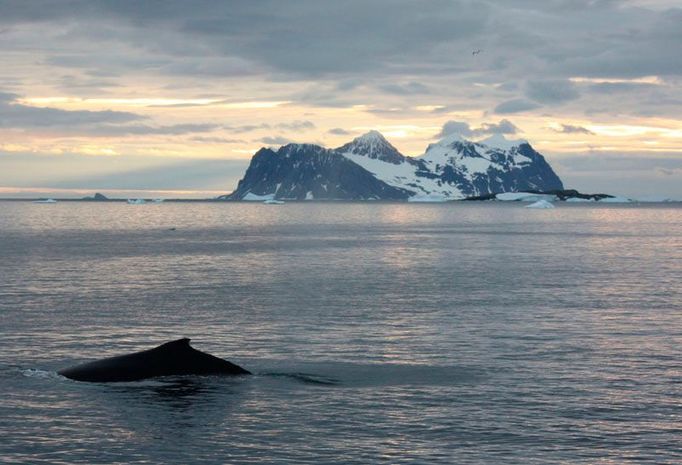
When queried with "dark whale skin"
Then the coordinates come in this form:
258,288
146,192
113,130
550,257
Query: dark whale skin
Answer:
173,358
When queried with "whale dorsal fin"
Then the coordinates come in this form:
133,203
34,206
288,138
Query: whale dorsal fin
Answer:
177,344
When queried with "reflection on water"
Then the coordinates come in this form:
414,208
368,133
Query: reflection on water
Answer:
398,333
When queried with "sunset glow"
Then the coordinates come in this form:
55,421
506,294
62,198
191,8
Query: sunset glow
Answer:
150,101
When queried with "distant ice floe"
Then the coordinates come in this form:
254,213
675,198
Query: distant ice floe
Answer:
251,197
541,204
616,199
525,197
273,202
428,198
657,199
45,201
136,201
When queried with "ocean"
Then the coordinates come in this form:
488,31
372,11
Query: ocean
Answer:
462,333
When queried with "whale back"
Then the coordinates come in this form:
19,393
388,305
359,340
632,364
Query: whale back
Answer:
169,359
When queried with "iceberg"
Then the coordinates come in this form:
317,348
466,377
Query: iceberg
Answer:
541,204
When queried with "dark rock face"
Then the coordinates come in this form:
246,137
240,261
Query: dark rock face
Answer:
509,175
563,194
370,168
305,171
97,197
574,194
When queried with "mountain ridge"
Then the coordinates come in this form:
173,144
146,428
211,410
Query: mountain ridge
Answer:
371,168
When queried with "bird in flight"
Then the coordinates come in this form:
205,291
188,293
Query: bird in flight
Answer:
476,52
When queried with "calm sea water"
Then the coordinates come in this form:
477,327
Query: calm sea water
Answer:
379,333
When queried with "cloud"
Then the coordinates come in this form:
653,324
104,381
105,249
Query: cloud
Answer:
216,140
274,140
669,172
551,91
455,127
503,127
464,129
621,87
16,115
138,130
247,128
7,97
570,129
515,106
106,123
296,125
339,132
390,56
86,85
411,88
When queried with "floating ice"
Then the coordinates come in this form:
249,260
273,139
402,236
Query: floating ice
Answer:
541,204
616,199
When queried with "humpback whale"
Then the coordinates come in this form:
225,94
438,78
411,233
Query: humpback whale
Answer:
171,358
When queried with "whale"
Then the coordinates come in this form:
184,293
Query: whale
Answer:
174,358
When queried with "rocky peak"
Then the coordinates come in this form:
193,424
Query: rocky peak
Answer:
373,145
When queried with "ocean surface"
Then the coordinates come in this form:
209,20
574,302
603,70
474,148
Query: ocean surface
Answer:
464,333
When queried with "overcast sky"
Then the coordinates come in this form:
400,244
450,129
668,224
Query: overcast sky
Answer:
177,95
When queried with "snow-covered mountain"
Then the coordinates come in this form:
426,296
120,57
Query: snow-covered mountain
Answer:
370,168
307,172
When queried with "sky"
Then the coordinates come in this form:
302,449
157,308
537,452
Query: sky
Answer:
174,97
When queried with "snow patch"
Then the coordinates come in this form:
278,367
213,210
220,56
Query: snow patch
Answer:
251,197
402,176
498,141
428,198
